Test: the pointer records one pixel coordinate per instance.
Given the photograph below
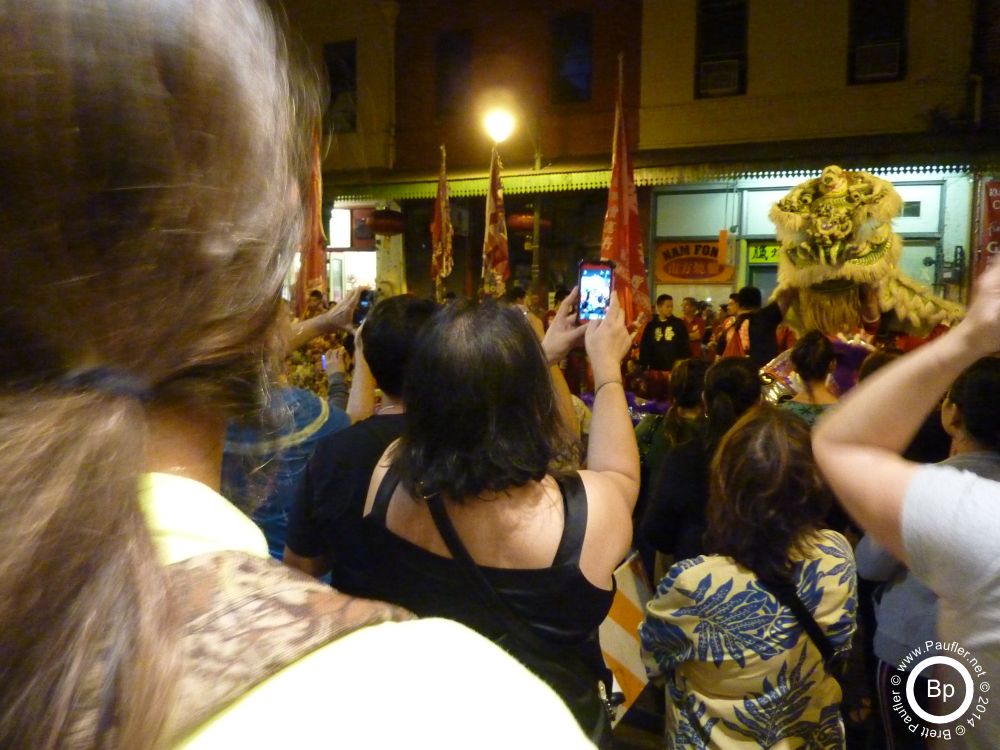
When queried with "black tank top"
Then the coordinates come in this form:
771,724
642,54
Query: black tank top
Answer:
558,603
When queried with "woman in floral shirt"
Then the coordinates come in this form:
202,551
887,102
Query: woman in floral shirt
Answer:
740,670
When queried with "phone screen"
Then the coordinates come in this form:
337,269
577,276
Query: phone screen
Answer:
364,307
595,291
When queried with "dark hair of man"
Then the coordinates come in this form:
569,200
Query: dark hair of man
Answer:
687,382
812,356
692,301
876,361
732,386
766,493
749,298
389,336
149,151
976,394
663,298
481,412
515,295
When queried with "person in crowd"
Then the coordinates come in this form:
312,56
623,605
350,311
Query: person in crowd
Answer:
674,521
657,434
464,519
154,155
267,457
753,333
664,341
316,304
940,521
814,361
723,323
906,609
695,324
519,298
741,634
324,533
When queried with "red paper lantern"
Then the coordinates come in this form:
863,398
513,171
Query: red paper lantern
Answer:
525,222
385,221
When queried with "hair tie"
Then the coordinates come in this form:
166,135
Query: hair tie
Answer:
110,380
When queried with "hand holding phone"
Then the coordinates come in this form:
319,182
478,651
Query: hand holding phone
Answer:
596,283
364,306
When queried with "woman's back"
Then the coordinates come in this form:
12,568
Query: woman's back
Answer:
528,548
738,663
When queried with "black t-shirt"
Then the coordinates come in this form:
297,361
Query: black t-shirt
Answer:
674,522
663,343
763,343
326,516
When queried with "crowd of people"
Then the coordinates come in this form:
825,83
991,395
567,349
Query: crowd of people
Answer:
419,551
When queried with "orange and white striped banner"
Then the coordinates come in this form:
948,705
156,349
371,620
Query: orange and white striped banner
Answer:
619,632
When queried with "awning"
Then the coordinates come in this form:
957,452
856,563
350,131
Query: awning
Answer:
885,155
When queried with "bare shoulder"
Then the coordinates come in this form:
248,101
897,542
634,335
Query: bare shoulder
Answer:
380,469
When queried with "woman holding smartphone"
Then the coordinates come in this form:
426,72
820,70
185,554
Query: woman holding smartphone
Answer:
467,519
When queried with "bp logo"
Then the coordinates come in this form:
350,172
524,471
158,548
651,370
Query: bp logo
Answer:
944,692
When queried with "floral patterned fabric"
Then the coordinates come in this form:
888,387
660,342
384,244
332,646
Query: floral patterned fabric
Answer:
740,671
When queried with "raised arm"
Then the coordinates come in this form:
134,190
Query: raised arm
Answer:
564,333
361,400
612,450
858,445
338,318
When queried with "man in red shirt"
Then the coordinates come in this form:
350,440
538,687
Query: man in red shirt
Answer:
695,324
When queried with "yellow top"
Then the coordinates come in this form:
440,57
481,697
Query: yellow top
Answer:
740,670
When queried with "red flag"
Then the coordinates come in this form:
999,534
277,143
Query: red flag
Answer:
312,271
495,266
622,237
441,233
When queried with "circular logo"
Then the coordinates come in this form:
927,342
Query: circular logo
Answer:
939,690
963,706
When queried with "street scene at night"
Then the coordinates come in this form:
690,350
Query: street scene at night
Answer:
557,374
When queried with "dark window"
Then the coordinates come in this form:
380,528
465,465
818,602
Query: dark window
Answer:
453,69
342,67
877,41
721,65
911,208
572,58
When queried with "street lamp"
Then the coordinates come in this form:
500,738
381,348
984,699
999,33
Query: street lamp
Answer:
499,124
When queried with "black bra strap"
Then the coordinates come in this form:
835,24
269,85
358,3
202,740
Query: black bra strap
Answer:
574,520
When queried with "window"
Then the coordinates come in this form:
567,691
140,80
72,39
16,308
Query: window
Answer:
453,68
721,64
877,50
342,68
572,59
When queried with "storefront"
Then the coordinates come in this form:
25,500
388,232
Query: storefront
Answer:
710,238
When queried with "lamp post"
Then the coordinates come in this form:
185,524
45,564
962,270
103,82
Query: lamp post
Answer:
499,124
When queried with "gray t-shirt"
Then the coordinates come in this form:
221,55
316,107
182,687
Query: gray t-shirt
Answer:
951,532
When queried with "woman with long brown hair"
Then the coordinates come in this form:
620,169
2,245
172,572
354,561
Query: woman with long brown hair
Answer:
746,635
153,154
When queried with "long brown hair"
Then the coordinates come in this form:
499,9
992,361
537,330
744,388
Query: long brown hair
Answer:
766,492
152,164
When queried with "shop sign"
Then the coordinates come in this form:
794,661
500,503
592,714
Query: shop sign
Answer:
989,230
759,253
697,261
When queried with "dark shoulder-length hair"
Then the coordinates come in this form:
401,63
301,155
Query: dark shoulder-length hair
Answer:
766,492
481,413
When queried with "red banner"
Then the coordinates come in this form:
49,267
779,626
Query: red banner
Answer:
622,237
988,243
312,271
495,259
441,233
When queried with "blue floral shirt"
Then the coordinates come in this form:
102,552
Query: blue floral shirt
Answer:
740,670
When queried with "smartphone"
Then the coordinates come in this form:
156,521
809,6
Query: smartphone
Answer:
596,283
364,306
